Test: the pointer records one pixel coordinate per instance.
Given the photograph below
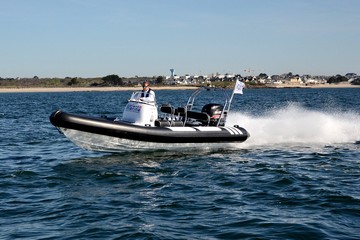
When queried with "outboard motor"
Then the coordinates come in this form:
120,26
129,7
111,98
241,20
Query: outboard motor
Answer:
214,111
140,112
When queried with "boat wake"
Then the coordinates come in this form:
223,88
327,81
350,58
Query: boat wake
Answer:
294,124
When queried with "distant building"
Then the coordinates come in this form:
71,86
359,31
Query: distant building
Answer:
295,81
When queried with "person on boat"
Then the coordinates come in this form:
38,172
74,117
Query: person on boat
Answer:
147,94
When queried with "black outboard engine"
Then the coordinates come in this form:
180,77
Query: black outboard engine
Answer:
214,111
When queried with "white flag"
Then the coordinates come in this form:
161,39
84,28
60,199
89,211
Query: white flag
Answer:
239,87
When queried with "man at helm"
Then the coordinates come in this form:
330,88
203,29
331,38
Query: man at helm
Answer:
147,95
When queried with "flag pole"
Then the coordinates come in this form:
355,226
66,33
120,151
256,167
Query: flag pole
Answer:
237,89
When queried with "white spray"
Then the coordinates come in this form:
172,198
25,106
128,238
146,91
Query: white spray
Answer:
294,124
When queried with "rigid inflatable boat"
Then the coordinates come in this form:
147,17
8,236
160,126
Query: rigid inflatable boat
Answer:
141,128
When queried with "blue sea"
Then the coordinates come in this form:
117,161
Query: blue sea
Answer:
296,177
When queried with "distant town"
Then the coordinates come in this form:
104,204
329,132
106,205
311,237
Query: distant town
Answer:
215,79
264,79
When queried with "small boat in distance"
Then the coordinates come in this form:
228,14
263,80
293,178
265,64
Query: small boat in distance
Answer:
140,127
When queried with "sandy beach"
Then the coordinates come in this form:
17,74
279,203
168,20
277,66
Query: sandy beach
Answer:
339,85
89,89
104,89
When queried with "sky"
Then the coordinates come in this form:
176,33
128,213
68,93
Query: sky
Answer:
95,38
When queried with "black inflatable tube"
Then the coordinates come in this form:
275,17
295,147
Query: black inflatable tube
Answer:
103,126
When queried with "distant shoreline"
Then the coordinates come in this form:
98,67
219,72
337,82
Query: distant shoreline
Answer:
88,89
107,89
327,85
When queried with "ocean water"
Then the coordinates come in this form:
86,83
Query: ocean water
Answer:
297,176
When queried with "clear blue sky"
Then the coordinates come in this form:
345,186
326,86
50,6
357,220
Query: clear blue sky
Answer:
94,38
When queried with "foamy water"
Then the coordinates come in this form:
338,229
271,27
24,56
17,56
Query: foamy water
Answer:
294,124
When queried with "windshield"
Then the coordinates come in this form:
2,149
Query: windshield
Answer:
137,97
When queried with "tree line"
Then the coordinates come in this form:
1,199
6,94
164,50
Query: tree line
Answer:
106,81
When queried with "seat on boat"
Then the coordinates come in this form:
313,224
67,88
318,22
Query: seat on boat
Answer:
191,117
200,118
167,108
172,119
180,111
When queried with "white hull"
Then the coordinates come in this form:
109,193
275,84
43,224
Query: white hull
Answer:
103,143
